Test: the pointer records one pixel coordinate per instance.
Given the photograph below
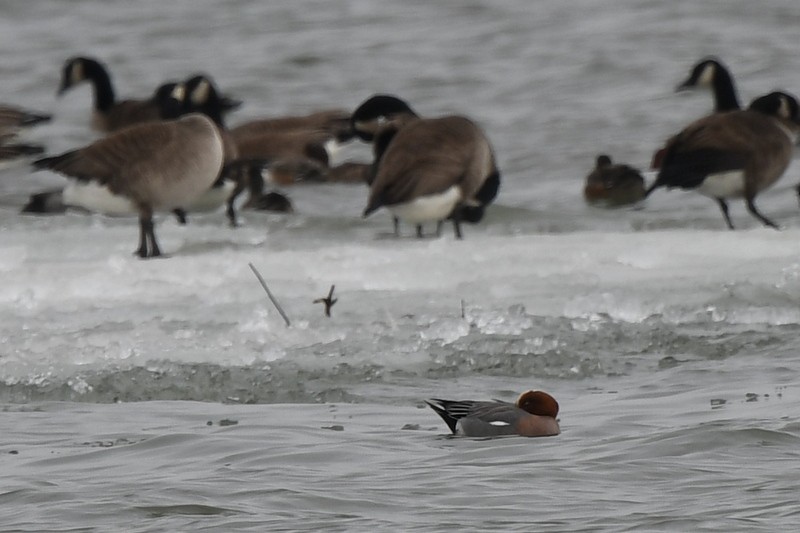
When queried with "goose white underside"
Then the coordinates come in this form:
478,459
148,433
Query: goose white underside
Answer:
99,199
212,199
333,147
723,185
429,208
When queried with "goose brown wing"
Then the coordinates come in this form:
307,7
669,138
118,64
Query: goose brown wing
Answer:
425,157
107,159
270,145
336,121
129,112
718,143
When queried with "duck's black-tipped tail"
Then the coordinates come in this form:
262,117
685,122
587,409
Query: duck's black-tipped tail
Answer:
440,407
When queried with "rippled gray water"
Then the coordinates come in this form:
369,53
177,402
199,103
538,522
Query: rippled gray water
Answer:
169,396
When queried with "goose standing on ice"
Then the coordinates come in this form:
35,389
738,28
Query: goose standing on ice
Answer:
158,166
736,154
427,169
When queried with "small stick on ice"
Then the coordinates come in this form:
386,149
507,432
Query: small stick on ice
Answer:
328,301
269,293
463,309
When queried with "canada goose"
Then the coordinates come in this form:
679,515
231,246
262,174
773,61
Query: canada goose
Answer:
277,145
432,169
286,172
613,185
224,104
201,96
711,73
380,114
10,153
376,121
49,201
158,166
707,73
13,119
734,154
283,144
96,198
109,114
334,122
315,136
348,172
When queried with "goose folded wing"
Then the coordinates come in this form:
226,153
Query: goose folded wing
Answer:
688,169
106,159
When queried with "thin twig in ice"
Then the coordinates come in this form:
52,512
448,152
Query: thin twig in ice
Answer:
269,293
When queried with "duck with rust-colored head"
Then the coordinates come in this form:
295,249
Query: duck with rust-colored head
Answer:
533,415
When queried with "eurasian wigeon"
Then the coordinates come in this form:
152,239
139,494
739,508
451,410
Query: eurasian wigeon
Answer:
613,185
533,415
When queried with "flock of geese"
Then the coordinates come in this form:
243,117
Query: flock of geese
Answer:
173,152
731,153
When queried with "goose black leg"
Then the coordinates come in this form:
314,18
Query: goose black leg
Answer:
180,214
141,251
723,205
155,251
242,180
148,246
230,212
751,206
419,231
457,229
396,226
456,217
